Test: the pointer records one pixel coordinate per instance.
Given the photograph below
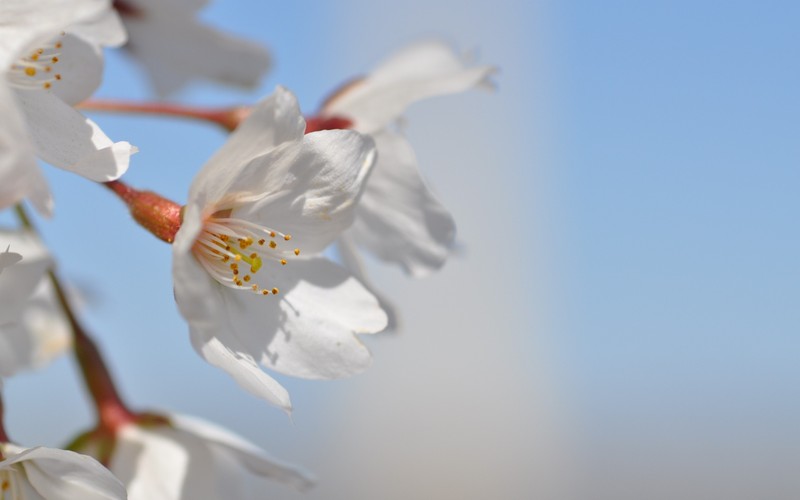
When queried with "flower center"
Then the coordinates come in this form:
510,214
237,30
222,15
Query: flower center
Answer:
233,251
36,70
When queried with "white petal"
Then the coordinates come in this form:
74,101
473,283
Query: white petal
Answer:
81,68
27,22
59,474
175,48
275,120
309,329
201,303
398,218
106,29
317,200
245,453
20,176
151,465
66,139
420,71
351,261
40,334
18,282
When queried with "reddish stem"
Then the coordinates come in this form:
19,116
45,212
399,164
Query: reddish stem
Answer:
160,216
228,118
111,411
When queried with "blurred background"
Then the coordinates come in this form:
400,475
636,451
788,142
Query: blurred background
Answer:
621,318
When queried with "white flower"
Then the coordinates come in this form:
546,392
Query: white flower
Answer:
52,474
8,258
39,334
18,281
246,276
50,59
166,37
189,459
398,219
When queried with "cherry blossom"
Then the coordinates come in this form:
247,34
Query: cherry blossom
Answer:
177,457
399,219
167,38
53,474
50,52
248,278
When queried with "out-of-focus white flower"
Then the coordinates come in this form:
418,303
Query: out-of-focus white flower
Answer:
182,458
17,283
8,258
38,335
398,218
50,59
52,474
248,294
167,39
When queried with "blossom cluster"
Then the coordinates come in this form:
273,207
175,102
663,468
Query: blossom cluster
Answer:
253,275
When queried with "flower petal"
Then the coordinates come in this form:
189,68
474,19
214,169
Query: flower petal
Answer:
175,48
66,139
246,453
316,202
417,72
25,22
60,474
398,218
106,29
351,261
201,303
80,66
18,282
20,176
275,120
308,330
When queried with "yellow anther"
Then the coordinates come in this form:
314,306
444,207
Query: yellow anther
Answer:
234,265
297,251
274,291
59,45
30,71
224,237
264,292
272,234
253,255
246,277
255,288
47,85
54,59
272,244
237,257
235,272
58,76
261,241
287,237
238,282
35,56
225,258
283,262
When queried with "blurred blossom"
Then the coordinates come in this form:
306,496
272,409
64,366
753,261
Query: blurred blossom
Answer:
52,474
17,283
190,459
39,334
8,258
167,39
51,52
399,219
247,275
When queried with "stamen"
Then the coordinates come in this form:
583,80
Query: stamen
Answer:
226,242
35,70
